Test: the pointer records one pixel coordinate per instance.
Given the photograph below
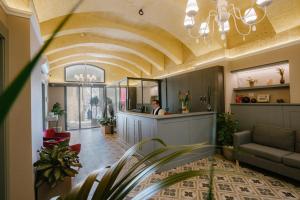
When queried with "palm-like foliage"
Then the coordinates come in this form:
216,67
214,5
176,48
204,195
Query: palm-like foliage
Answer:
115,185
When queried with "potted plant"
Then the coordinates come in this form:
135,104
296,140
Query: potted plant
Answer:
185,100
58,111
107,124
281,72
54,170
226,127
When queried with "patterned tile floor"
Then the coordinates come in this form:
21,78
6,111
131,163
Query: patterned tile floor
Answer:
231,182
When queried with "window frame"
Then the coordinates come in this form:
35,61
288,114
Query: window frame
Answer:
90,65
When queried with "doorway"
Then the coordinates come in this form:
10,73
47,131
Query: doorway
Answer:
84,105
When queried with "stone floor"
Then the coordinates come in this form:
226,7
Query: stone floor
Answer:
231,182
97,150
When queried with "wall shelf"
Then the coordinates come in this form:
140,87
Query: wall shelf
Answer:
263,87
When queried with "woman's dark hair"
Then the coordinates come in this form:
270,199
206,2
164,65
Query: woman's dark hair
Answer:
156,102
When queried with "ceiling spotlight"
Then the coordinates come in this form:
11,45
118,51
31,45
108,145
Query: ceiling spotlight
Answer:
141,12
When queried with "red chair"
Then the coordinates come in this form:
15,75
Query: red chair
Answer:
51,137
76,148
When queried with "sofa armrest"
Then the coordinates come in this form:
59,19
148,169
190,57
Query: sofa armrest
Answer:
243,137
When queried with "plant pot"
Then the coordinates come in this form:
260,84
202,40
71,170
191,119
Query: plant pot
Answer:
107,129
228,152
45,192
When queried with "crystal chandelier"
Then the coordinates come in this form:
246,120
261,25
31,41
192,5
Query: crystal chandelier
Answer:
85,78
221,16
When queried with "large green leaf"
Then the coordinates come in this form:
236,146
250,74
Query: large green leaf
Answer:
113,187
145,172
87,185
10,94
137,165
112,173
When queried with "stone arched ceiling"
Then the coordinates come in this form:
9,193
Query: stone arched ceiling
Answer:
113,29
108,26
142,50
132,59
109,61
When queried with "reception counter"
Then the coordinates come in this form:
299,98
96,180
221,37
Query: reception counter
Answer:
175,129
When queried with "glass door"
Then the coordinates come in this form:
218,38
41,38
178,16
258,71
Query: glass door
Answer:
72,112
84,106
111,98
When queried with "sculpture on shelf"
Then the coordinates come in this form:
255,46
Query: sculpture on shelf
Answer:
251,81
281,72
185,100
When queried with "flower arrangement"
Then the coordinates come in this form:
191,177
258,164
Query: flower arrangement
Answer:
185,100
281,71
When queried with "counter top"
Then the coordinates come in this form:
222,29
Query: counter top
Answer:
265,104
167,116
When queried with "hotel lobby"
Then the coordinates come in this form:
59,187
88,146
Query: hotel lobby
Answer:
148,99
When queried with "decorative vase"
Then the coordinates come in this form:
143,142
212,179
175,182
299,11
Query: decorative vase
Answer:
282,81
184,108
228,152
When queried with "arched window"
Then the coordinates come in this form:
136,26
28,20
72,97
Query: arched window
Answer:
84,73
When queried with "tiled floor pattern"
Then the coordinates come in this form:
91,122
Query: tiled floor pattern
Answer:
230,181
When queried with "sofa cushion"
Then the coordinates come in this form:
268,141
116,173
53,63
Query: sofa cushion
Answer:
292,160
265,152
274,137
297,147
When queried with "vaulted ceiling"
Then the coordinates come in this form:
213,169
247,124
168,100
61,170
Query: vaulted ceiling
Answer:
113,34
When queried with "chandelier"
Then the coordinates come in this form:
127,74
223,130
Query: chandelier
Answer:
220,17
85,77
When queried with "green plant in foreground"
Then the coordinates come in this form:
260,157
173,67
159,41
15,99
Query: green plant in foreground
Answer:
226,127
55,164
115,185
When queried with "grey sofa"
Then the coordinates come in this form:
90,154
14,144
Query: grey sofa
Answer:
271,148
